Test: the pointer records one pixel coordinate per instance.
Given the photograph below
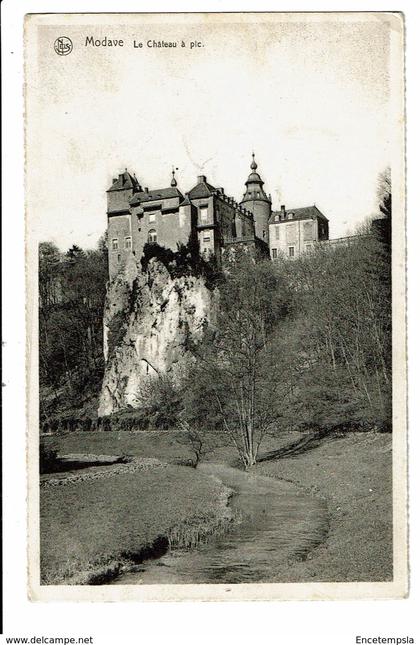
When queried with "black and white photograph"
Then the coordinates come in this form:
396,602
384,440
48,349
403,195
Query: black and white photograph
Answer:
215,239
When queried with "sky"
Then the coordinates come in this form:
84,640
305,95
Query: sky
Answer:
311,97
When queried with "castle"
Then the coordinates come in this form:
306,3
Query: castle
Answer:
137,216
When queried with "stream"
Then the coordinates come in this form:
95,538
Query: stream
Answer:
279,524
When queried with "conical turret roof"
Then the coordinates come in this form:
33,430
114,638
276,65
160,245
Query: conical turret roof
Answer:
254,184
254,177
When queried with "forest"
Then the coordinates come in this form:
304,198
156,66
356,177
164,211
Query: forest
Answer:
72,289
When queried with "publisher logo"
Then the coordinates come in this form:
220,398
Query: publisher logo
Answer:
63,46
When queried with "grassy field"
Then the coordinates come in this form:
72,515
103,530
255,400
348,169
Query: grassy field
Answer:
92,529
97,527
354,475
162,445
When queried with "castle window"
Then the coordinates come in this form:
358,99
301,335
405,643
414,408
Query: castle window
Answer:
152,236
128,243
204,214
152,218
206,239
291,251
277,232
119,258
115,244
274,253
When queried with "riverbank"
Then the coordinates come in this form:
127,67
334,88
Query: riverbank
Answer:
107,518
93,529
353,474
277,524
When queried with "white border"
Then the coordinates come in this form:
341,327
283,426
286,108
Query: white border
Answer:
290,591
294,622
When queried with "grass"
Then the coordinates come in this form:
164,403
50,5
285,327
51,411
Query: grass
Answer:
354,475
92,530
163,445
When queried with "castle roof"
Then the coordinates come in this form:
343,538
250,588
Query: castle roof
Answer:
307,212
124,181
254,186
202,189
254,177
155,195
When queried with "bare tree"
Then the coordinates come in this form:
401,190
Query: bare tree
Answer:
242,374
199,442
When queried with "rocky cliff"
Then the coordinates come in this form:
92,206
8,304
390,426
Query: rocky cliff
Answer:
148,316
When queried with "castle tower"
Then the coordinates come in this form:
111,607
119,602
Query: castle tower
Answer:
256,200
123,187
120,229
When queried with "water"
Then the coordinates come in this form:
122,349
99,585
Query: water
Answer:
278,524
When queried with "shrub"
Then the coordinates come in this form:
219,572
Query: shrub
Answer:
48,459
183,262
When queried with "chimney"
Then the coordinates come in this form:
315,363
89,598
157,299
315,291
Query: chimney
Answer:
146,189
283,211
201,179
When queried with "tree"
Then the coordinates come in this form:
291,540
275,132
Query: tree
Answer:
160,399
49,275
242,373
198,442
72,294
102,245
343,295
384,192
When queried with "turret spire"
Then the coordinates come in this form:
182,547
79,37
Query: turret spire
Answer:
255,199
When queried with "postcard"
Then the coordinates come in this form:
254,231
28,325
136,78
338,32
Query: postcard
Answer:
215,238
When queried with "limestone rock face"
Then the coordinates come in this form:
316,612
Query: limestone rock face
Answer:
148,317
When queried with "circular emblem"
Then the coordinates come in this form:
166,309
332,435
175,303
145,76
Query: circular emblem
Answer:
63,46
